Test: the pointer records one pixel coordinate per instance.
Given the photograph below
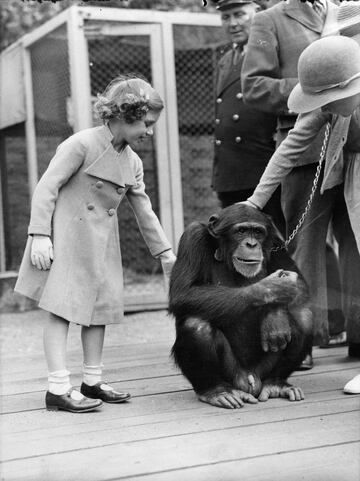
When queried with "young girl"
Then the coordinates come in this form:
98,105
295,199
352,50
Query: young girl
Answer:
72,261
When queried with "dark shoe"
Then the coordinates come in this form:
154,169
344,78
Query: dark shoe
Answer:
307,363
96,392
336,341
65,402
354,349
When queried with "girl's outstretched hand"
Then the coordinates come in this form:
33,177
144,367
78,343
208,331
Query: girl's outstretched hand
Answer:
41,252
167,259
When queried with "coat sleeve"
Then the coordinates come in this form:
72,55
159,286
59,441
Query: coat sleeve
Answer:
67,160
285,157
147,220
262,85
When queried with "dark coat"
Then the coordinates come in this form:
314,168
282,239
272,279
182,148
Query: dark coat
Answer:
243,136
277,38
75,202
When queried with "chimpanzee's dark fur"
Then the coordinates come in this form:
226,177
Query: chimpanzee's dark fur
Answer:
238,337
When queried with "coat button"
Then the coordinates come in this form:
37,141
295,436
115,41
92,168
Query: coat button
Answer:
119,190
217,121
219,100
237,140
236,117
239,95
217,142
99,184
111,212
91,207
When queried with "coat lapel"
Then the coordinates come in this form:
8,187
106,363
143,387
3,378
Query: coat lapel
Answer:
304,14
230,76
115,167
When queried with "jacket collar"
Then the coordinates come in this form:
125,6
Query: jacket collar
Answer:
228,74
110,165
304,14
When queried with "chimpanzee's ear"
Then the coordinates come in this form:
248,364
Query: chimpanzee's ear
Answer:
275,234
213,220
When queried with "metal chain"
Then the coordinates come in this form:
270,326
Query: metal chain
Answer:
313,189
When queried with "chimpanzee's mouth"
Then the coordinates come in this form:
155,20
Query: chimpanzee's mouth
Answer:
247,261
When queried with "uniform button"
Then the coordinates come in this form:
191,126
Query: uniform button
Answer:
91,207
99,184
119,190
217,142
217,121
219,100
237,140
236,117
239,95
111,212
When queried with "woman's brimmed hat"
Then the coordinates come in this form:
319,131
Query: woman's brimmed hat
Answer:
329,70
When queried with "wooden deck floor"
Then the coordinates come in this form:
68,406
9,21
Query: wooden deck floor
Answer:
165,434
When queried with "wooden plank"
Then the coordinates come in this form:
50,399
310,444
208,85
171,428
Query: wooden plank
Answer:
119,461
117,369
115,430
159,408
124,357
330,463
328,381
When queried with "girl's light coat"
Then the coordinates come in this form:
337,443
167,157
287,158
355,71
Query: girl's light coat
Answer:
76,203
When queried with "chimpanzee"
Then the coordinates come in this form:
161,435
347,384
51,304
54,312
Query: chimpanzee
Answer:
240,303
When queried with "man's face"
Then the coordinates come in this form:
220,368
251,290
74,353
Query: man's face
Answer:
237,20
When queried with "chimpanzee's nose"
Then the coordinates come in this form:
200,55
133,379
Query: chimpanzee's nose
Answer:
251,243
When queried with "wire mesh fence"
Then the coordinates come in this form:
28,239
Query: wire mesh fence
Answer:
52,93
196,54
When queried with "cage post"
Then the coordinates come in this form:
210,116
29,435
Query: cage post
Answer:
173,130
30,132
79,71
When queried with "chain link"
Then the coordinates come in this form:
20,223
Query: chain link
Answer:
313,190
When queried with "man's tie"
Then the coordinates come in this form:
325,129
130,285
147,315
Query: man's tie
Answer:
237,53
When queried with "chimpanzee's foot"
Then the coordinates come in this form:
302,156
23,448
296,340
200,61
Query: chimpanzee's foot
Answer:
273,388
226,397
248,382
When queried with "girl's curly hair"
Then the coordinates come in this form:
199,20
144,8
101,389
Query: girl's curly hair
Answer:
128,97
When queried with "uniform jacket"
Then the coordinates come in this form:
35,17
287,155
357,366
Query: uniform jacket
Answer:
243,136
86,181
277,38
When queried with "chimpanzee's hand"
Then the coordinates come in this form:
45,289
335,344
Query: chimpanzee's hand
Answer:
275,330
279,287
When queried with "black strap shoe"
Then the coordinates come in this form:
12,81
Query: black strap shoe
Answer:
96,392
65,402
307,364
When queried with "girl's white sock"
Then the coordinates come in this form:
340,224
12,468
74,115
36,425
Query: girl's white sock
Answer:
59,382
92,374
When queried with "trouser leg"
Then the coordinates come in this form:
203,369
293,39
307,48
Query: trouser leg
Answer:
308,248
349,263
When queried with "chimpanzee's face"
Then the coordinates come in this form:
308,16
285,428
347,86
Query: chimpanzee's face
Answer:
244,237
246,241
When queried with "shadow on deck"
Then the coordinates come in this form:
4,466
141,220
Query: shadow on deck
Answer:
164,433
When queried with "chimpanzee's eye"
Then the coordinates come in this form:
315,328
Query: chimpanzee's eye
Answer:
258,231
241,230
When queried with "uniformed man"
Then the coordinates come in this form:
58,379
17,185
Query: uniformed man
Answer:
243,136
